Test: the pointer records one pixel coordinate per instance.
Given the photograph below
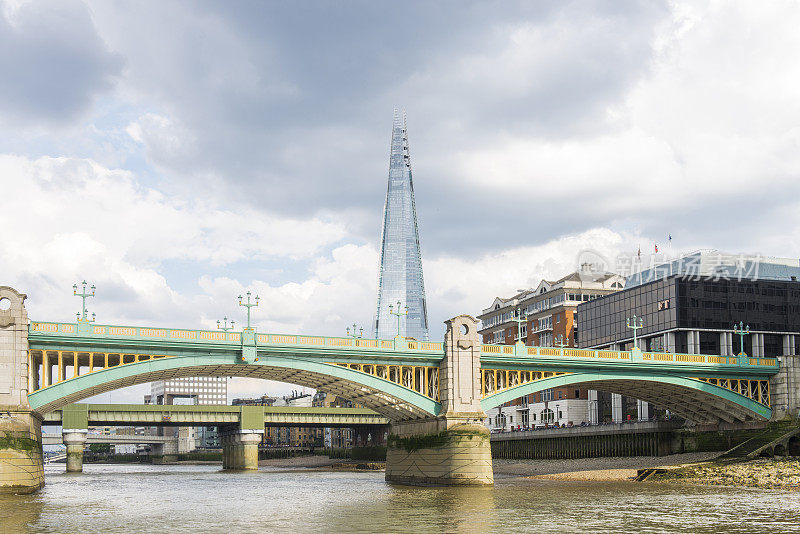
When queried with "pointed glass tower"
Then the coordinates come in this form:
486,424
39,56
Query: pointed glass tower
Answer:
401,263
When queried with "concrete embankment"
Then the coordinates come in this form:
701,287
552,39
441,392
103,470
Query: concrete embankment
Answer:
776,473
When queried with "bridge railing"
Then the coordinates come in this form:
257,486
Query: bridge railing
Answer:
222,338
650,357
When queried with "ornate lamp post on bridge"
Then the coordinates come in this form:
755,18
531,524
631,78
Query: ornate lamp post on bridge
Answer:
636,352
225,328
248,305
634,325
398,314
519,318
355,335
560,343
398,339
83,316
249,350
741,331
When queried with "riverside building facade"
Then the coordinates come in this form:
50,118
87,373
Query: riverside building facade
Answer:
690,305
550,319
200,390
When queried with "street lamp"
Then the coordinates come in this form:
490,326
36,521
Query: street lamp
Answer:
633,325
742,331
83,314
225,328
398,314
560,343
248,305
519,318
354,335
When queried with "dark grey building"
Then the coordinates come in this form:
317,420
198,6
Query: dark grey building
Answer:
696,314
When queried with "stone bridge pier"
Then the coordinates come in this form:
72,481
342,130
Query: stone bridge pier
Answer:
240,443
785,389
453,447
21,467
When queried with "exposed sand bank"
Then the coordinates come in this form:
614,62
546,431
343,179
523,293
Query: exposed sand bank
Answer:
617,468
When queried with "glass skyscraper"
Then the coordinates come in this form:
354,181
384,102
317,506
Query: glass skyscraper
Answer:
401,263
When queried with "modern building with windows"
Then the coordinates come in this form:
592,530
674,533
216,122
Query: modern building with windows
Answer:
401,262
549,319
690,305
692,310
201,390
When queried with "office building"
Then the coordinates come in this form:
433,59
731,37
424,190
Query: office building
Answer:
201,390
400,278
690,305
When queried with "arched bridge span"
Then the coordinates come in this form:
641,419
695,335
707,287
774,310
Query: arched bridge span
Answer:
391,399
696,400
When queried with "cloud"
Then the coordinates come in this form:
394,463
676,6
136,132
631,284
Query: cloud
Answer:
54,64
296,109
178,160
72,218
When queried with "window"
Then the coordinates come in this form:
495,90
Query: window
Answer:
547,416
547,395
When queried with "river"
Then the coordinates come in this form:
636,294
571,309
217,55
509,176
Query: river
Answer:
203,498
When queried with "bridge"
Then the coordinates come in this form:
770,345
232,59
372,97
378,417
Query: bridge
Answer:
114,439
83,416
432,393
76,419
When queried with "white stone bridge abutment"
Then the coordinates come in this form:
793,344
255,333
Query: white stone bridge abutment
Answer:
21,467
453,447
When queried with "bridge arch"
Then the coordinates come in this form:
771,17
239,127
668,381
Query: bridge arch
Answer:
694,400
385,397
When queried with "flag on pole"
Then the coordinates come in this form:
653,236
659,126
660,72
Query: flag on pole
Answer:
670,238
639,254
656,248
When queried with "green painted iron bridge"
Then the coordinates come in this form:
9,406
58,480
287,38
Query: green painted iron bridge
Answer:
435,394
398,378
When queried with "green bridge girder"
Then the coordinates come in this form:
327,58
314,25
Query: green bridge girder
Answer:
75,416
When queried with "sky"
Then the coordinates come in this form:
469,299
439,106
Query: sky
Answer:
177,154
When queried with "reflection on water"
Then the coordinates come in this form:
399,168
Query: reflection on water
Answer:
143,498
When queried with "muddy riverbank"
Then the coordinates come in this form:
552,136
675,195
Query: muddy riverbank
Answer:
771,473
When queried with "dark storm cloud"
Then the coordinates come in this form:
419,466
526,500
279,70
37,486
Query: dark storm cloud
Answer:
292,102
52,62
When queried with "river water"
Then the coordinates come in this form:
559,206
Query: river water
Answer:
191,498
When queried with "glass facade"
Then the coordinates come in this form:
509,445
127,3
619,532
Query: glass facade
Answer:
707,305
603,320
401,263
766,305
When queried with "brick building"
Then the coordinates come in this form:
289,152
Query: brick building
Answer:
550,319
